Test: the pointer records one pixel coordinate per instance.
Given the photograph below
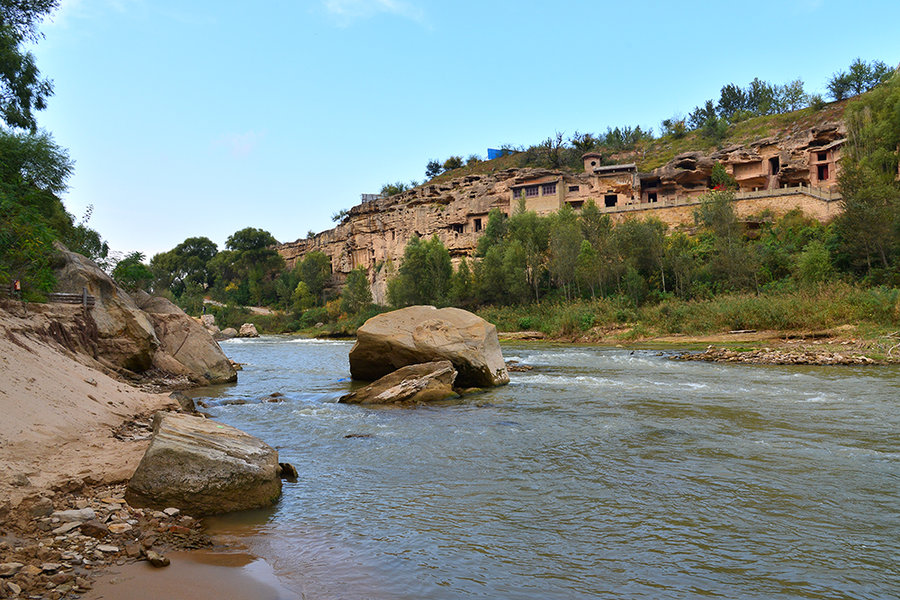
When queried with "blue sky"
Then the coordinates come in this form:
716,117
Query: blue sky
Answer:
202,118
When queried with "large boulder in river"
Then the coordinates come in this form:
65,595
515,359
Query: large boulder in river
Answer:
186,347
248,330
413,384
419,334
203,468
126,337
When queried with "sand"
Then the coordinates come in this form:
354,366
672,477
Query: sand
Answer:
57,416
196,575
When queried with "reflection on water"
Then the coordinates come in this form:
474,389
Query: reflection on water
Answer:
600,473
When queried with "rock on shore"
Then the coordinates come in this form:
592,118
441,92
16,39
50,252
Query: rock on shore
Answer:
413,384
203,467
137,332
769,356
420,334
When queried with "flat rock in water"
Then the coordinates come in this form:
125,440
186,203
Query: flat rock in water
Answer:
420,334
425,382
203,467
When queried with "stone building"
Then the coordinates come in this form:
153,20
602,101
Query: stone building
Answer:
796,170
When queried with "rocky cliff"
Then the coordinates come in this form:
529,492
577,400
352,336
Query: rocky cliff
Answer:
374,234
133,334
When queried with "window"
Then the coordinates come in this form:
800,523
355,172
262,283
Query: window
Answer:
548,189
576,204
651,196
593,163
477,224
822,156
610,199
823,172
456,227
573,188
774,165
531,191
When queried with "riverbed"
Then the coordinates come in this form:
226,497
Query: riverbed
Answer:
601,473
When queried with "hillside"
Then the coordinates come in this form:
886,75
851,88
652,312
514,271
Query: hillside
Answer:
779,162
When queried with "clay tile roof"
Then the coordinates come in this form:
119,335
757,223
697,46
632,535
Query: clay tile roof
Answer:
591,155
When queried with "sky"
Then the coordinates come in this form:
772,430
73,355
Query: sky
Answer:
201,118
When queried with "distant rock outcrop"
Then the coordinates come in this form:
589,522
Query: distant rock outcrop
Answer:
138,332
248,330
126,335
186,347
374,233
413,384
204,467
419,334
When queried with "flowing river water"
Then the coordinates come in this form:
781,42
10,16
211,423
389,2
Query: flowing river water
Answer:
601,473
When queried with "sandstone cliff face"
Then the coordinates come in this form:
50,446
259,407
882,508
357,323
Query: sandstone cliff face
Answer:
135,333
374,234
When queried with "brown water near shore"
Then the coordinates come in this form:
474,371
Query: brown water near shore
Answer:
198,575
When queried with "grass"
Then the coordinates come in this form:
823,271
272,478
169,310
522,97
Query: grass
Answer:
872,311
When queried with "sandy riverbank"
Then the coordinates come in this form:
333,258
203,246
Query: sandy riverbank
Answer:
842,345
68,432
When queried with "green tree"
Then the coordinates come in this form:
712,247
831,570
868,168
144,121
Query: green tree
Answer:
813,264
462,285
565,243
587,268
26,249
721,179
494,233
356,295
315,271
869,226
454,162
732,99
301,299
131,272
423,276
516,287
22,89
433,169
532,232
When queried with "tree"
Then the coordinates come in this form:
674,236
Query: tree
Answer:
587,268
494,233
462,285
793,96
392,189
22,89
860,77
131,272
869,226
454,162
721,179
565,243
516,287
356,295
813,264
433,169
315,270
731,100
424,274
301,299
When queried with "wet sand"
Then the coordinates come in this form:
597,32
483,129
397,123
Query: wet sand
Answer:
198,575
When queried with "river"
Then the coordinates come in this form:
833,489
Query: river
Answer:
601,473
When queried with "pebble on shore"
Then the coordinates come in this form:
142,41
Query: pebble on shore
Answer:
770,356
54,546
